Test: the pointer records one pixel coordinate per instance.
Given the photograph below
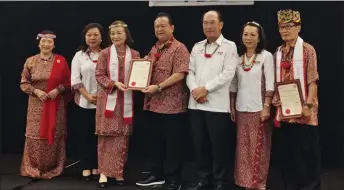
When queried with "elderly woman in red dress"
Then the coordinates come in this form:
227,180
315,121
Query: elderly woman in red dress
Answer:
114,104
46,79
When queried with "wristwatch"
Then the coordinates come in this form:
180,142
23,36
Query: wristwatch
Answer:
309,106
159,88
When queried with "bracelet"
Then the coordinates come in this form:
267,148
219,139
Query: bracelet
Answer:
267,105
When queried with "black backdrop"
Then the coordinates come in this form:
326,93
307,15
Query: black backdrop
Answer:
21,21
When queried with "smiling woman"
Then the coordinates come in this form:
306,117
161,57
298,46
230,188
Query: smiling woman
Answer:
85,86
46,79
114,111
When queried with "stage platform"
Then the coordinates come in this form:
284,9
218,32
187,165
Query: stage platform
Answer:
10,179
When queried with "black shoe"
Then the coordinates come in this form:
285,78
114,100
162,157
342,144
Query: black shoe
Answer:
87,178
120,182
200,186
174,185
102,185
150,180
96,176
221,187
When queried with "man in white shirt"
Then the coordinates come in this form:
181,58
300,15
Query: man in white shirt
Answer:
212,67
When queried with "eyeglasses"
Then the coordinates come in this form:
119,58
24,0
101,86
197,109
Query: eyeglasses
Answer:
286,27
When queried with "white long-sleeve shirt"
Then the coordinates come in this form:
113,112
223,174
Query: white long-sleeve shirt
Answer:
215,73
248,85
83,75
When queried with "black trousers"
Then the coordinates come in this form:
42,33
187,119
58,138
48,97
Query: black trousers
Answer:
87,139
300,156
212,142
166,144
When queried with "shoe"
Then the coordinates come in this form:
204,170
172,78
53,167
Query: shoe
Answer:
102,185
150,180
174,185
96,176
220,187
87,178
200,186
120,182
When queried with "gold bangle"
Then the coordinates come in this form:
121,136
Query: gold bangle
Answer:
267,105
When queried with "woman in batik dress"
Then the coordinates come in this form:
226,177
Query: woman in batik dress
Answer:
251,94
46,79
114,104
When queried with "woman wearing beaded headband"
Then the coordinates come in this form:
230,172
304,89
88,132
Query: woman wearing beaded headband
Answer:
46,79
251,94
114,104
85,86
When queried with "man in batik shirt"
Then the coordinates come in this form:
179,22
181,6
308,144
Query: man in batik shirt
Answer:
166,105
300,150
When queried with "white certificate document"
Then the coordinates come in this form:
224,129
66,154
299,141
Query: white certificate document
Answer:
140,74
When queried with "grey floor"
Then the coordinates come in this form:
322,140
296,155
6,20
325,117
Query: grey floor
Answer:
10,178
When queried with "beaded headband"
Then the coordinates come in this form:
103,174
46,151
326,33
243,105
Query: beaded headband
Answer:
46,36
253,22
118,25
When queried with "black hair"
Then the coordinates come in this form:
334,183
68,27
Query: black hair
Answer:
164,14
219,15
261,35
83,47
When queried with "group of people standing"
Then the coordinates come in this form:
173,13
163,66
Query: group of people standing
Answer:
210,86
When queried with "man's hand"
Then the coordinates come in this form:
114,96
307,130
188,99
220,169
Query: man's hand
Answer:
202,100
306,111
152,89
276,103
199,93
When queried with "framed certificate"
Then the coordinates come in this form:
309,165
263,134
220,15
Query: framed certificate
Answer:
140,72
291,98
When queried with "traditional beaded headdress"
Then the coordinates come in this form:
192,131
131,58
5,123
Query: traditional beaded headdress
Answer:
288,16
118,25
53,36
253,22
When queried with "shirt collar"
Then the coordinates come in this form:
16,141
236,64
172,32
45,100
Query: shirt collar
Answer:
218,41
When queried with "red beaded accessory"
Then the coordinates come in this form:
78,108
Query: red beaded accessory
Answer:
248,67
162,47
207,55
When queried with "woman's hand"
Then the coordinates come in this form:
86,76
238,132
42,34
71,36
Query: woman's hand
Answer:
265,114
121,86
41,95
53,94
92,99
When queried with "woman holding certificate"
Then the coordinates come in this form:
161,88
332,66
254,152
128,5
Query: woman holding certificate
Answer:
114,104
251,93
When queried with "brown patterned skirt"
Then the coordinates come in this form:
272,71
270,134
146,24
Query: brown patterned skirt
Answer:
252,152
41,160
112,155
